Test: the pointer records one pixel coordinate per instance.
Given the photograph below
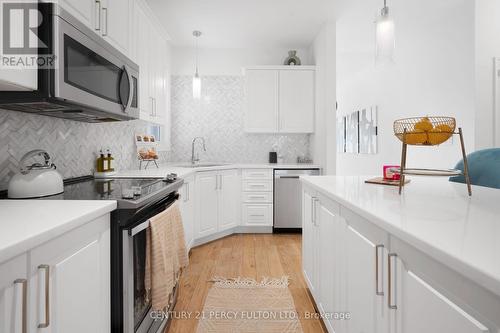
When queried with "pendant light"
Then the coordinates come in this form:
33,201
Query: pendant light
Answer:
196,77
385,37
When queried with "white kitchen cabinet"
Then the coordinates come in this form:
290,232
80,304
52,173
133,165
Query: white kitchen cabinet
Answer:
87,12
349,266
280,99
152,53
257,200
296,101
13,295
69,281
364,289
116,20
187,206
261,89
414,299
218,201
309,240
229,199
207,203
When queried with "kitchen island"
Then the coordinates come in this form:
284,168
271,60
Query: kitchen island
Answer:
433,251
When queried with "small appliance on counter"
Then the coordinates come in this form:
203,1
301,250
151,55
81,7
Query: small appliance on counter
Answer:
37,180
273,157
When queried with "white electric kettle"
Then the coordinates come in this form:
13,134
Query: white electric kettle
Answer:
36,180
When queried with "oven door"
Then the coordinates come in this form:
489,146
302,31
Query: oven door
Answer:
138,315
137,312
92,73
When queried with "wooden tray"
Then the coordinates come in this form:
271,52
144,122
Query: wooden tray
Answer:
382,181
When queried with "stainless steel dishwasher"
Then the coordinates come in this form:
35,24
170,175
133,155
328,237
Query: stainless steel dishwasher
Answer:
288,199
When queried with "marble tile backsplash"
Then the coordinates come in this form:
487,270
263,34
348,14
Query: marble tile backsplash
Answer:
72,145
218,117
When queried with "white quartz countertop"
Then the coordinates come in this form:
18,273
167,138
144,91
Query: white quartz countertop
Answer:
433,215
26,224
163,170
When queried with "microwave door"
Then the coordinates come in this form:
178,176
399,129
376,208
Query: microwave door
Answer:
89,74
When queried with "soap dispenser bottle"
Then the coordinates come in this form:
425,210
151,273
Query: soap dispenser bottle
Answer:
100,162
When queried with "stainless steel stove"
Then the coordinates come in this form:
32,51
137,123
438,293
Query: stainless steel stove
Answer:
138,200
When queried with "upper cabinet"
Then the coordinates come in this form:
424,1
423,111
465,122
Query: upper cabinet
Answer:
110,19
280,99
151,51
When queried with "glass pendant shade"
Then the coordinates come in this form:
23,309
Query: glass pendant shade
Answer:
196,86
385,39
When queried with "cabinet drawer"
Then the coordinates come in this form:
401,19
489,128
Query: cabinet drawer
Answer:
258,214
257,174
261,197
257,185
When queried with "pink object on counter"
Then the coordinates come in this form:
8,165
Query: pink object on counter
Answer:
391,172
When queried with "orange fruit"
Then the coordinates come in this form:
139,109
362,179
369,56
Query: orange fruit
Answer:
438,136
444,128
424,125
416,137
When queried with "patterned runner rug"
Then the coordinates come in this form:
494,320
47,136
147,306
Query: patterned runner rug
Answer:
244,305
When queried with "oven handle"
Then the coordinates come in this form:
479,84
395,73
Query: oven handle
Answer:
141,227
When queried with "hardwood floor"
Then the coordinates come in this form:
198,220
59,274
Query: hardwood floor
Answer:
249,255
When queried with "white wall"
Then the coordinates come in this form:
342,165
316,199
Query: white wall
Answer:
323,141
487,48
433,75
228,61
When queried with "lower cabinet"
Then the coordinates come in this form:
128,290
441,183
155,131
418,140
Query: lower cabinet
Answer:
13,295
351,271
187,206
217,201
62,285
414,299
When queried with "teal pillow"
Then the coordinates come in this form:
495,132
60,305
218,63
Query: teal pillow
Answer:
484,168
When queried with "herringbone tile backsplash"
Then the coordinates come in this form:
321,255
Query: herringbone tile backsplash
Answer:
73,145
218,117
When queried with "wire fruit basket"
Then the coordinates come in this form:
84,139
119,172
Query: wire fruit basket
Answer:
428,131
425,131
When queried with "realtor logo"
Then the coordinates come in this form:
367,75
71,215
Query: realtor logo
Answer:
23,44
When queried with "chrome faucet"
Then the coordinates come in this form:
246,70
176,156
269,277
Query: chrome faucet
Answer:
197,158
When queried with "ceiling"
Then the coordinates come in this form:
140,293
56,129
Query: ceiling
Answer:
243,23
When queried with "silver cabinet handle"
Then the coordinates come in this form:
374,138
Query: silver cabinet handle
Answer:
216,182
313,213
221,183
188,191
97,15
391,305
316,200
378,271
47,296
105,31
24,284
257,215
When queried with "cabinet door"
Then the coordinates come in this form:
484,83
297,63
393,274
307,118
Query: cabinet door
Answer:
187,210
261,113
143,50
116,19
70,281
86,11
362,282
421,308
296,101
229,199
206,203
308,230
13,297
330,260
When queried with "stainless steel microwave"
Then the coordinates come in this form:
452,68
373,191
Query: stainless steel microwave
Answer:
89,79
